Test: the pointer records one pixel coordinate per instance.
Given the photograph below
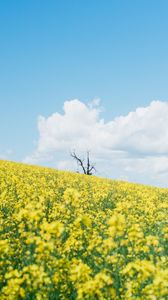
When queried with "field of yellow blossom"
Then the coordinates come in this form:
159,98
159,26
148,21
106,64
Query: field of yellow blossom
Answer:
72,236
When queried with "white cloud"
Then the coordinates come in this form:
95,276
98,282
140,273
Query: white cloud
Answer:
134,146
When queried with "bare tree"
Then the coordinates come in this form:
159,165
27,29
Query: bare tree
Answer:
87,168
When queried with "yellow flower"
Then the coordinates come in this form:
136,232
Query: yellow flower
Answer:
84,237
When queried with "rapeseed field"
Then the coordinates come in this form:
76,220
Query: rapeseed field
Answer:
72,236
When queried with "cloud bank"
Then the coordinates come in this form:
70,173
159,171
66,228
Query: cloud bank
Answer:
132,147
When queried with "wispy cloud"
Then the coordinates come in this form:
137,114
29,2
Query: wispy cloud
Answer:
6,154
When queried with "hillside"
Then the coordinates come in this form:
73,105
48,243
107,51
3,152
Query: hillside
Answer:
72,236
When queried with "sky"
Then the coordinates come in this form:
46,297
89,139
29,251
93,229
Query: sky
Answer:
86,75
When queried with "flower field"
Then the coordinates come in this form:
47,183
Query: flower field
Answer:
72,236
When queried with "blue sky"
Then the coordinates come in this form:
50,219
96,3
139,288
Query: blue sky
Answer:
54,51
